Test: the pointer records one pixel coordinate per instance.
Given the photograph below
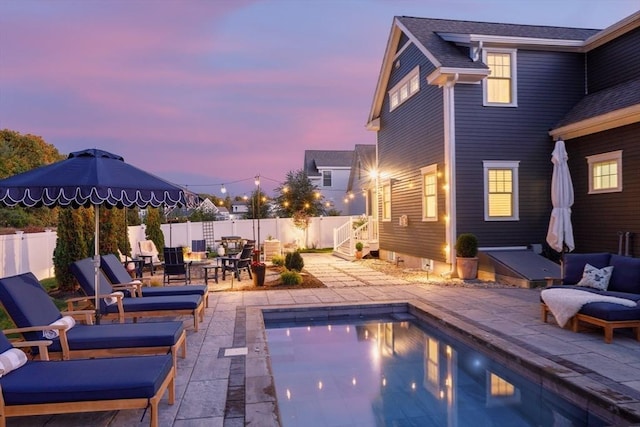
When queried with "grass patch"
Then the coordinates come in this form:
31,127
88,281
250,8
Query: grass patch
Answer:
316,251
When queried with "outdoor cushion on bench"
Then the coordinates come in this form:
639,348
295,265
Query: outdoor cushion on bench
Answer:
134,308
624,283
31,309
86,385
117,275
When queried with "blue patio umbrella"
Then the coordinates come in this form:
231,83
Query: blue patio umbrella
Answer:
95,178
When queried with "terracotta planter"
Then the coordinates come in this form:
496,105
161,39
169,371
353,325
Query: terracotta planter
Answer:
258,274
467,268
358,254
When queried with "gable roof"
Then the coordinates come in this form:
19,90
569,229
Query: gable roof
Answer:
326,159
438,40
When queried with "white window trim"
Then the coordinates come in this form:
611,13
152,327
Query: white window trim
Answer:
605,157
429,170
383,185
405,83
502,164
514,78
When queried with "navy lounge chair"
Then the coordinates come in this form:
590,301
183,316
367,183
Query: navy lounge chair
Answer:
131,307
117,275
86,385
32,310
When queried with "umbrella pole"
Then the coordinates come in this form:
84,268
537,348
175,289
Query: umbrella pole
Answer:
96,261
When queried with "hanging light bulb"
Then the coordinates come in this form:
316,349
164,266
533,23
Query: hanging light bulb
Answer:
223,190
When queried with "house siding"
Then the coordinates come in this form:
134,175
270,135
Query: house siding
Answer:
549,84
597,218
615,62
411,137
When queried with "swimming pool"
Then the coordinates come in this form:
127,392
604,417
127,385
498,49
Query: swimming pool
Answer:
576,384
397,371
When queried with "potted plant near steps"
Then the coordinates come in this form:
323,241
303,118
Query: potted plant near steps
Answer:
466,256
359,247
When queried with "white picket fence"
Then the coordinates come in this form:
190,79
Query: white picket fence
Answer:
20,252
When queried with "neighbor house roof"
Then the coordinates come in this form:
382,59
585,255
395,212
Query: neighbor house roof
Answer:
314,160
440,40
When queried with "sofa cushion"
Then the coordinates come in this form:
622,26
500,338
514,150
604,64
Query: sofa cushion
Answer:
573,265
626,274
593,277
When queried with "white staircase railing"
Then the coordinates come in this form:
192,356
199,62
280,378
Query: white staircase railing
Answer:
346,236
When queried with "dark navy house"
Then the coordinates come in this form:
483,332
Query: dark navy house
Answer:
466,115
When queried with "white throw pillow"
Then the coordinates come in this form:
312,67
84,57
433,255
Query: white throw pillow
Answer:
11,360
67,321
597,278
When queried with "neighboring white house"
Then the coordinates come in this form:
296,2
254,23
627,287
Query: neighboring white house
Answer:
329,170
239,210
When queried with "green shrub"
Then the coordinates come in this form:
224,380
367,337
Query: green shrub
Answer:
290,278
467,245
294,261
359,246
277,260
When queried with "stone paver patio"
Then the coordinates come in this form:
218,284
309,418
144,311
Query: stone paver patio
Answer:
216,387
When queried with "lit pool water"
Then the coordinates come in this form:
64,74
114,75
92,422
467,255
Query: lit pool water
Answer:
390,372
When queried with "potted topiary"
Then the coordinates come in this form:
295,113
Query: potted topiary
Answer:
466,256
359,247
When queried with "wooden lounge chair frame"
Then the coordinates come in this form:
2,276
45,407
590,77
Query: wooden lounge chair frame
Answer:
168,384
121,315
86,317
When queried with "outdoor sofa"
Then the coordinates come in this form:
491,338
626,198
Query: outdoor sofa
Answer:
618,309
40,387
33,312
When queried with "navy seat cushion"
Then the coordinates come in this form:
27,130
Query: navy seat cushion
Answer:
573,265
122,335
85,380
174,290
173,302
626,274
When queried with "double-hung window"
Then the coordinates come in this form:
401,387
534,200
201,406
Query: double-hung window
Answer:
605,172
501,190
429,193
499,88
386,201
326,178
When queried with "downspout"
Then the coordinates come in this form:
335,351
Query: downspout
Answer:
450,168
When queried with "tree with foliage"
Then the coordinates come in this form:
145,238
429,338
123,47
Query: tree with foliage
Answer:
257,200
21,153
72,244
153,230
298,194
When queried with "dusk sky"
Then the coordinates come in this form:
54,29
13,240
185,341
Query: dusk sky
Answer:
206,92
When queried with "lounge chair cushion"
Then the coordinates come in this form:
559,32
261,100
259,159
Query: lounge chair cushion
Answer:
85,380
626,274
597,278
608,311
171,302
573,265
122,335
11,360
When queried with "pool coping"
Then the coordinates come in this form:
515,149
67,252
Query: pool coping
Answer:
251,392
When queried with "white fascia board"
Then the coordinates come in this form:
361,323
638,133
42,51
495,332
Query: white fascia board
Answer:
629,23
441,75
612,120
510,40
385,71
373,125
